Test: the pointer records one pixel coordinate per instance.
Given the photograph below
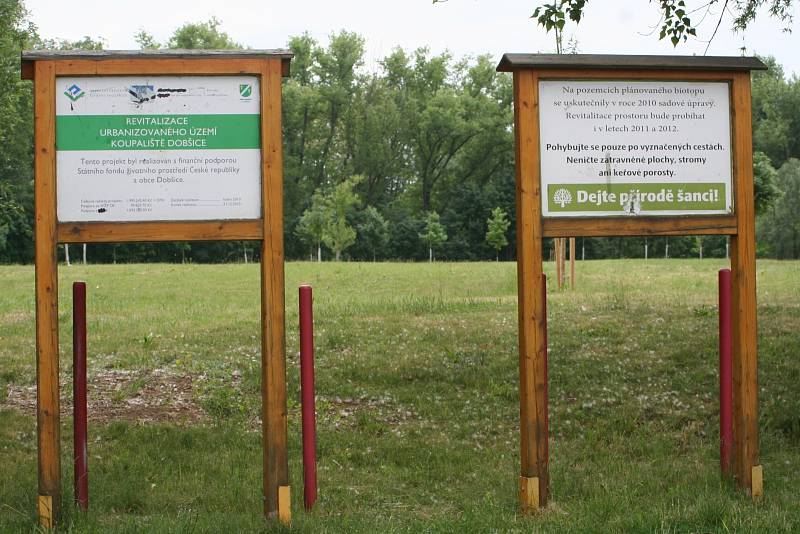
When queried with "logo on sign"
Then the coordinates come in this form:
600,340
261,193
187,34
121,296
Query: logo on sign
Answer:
245,90
562,197
141,93
74,92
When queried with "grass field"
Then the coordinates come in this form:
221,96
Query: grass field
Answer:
417,399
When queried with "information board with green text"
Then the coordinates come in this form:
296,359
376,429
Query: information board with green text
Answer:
611,148
158,148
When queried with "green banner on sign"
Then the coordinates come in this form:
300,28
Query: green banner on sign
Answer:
157,132
625,198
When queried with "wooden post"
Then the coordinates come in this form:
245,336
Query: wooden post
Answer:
47,386
534,478
273,342
572,263
743,274
557,258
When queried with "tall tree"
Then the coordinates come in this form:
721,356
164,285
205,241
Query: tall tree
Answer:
336,71
199,35
373,230
497,225
337,233
778,229
438,118
311,226
764,176
434,235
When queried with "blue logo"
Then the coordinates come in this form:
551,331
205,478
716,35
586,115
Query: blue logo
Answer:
74,92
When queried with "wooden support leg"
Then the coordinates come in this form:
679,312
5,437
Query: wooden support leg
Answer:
47,384
273,343
557,247
572,263
743,309
534,478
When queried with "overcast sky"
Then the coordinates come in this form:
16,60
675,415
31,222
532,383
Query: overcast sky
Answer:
464,27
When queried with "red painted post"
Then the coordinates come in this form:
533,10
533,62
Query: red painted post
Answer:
79,395
546,397
307,397
725,376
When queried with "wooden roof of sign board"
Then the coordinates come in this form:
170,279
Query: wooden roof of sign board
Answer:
512,62
31,56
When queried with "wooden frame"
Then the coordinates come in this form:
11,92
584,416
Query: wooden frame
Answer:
270,66
528,70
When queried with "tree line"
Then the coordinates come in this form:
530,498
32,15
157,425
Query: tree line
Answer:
408,159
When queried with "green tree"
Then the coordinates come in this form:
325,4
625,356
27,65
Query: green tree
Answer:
198,35
764,176
676,22
85,43
776,121
335,70
778,230
16,135
496,232
338,234
439,118
311,227
435,234
373,230
146,41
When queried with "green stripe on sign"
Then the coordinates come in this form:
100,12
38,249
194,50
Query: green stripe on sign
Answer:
157,132
651,197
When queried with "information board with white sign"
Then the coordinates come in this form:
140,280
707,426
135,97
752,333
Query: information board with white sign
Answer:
611,148
158,148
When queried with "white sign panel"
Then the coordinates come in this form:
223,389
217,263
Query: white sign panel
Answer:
158,148
633,147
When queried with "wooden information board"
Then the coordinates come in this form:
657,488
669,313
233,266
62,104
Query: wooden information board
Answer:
159,146
632,146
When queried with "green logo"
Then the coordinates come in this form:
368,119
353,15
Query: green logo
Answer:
246,90
74,92
562,196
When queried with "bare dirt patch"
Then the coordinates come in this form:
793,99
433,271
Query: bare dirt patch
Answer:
120,395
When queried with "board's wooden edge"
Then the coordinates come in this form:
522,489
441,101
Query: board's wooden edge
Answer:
511,62
124,232
166,66
173,67
639,226
634,74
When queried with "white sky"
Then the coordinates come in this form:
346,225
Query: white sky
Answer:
465,27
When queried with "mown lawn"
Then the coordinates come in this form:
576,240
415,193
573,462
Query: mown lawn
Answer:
417,399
